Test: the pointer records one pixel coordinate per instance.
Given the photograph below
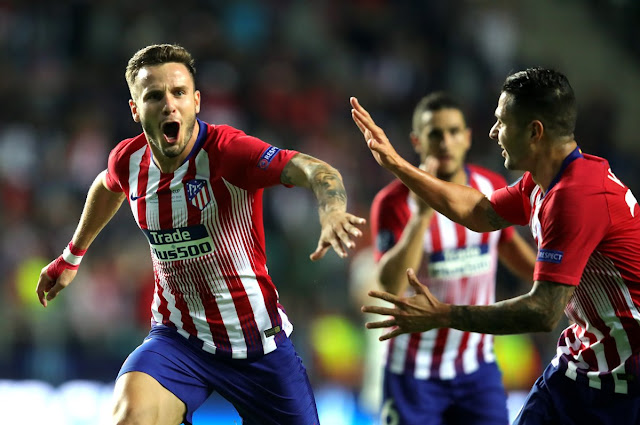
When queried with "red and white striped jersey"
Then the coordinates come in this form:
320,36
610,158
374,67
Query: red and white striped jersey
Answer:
205,231
459,267
587,228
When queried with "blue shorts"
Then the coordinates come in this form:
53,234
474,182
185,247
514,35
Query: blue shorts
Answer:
556,399
273,389
478,398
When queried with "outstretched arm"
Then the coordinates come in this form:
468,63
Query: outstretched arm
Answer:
325,182
540,310
100,206
461,204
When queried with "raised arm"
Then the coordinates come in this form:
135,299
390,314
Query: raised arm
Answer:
100,206
540,310
461,204
325,182
407,253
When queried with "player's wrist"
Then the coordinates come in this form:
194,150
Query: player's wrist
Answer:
72,255
70,259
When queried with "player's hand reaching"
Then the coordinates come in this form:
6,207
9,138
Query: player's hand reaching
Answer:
377,141
53,279
418,313
338,229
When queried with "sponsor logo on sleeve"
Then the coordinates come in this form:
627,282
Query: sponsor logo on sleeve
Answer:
180,243
550,256
268,156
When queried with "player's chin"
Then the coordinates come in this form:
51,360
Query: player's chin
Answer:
172,151
509,164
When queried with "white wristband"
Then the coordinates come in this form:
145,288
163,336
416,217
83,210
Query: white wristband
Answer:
67,256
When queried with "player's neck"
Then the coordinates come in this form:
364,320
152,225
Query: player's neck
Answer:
459,177
550,162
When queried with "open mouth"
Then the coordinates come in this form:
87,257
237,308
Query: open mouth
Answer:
171,130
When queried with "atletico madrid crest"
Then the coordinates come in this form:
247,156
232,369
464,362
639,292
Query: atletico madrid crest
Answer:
198,193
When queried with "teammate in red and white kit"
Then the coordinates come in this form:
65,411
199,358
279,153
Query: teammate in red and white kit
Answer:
587,226
195,190
443,376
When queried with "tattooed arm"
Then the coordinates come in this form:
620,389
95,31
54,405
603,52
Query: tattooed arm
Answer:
540,310
537,311
325,182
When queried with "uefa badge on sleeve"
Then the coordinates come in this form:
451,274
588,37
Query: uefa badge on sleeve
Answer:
198,193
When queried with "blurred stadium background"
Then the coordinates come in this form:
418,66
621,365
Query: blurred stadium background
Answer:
282,70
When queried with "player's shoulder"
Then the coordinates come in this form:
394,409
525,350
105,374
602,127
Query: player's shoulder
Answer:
392,192
585,172
591,167
496,179
583,180
127,146
222,134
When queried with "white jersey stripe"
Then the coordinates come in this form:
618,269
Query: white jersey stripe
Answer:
450,353
153,213
179,199
473,238
134,167
155,314
483,184
448,234
423,356
397,357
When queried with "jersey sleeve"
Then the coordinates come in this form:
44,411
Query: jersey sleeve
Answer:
572,225
387,224
114,170
250,163
506,234
512,202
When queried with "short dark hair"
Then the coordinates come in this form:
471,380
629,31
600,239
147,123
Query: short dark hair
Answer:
433,102
158,54
545,95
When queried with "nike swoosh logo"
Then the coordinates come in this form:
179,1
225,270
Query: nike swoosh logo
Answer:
133,198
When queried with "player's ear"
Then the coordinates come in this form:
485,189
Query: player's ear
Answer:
415,142
134,110
196,98
467,135
537,130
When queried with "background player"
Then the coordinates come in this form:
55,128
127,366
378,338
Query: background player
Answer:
586,224
195,190
443,376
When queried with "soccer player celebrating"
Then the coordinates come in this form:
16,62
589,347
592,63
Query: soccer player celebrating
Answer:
195,190
442,376
587,226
